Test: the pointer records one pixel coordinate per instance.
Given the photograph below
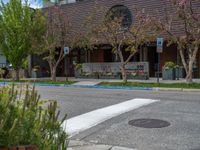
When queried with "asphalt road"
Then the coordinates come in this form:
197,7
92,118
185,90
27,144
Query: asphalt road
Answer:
180,109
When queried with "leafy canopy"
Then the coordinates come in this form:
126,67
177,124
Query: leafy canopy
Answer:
20,27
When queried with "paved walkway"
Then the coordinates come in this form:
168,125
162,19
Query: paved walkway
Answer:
80,145
150,80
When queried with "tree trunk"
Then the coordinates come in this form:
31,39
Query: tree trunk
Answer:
16,74
53,73
190,72
124,74
189,66
183,60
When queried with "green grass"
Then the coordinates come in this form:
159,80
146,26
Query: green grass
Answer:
153,85
40,81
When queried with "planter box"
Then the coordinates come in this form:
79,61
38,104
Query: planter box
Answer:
77,74
36,74
180,73
21,148
168,74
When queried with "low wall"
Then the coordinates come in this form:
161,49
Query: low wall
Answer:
135,70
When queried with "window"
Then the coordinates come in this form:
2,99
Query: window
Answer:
123,12
64,1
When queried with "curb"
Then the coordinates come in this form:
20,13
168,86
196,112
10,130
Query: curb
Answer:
111,87
81,145
33,84
80,86
106,87
191,90
176,89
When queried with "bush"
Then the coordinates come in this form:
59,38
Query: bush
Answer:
2,72
25,120
78,66
169,65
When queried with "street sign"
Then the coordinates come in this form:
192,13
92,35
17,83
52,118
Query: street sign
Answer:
66,50
159,50
160,42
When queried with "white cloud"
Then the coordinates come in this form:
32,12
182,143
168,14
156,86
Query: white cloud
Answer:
36,3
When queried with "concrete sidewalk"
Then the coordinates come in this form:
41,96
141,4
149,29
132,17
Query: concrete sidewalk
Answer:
93,83
87,83
150,80
81,145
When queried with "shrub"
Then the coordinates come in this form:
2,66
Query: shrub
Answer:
78,66
169,65
25,120
2,71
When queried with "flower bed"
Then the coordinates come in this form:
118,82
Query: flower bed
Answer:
137,75
110,75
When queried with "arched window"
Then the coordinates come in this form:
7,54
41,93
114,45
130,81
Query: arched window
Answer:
121,11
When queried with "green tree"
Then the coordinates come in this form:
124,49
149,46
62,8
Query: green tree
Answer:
188,44
122,39
58,34
20,28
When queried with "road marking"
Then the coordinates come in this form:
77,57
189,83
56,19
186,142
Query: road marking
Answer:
85,121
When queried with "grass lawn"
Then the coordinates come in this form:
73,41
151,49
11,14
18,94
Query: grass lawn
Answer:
151,85
41,81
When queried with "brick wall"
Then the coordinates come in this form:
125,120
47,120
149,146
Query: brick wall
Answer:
97,56
169,54
79,12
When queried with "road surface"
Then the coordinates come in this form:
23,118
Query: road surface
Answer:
180,109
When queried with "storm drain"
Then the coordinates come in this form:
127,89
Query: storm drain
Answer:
149,123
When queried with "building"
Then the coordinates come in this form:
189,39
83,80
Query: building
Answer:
79,9
62,2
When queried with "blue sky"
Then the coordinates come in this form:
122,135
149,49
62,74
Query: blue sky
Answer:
33,3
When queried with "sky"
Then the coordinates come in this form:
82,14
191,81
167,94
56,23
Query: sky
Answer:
33,3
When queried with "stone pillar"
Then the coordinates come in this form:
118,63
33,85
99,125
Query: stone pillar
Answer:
30,65
145,52
141,54
88,56
65,66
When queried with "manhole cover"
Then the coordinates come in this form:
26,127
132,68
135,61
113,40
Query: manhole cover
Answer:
149,123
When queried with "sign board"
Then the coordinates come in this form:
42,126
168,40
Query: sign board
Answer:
66,50
160,42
